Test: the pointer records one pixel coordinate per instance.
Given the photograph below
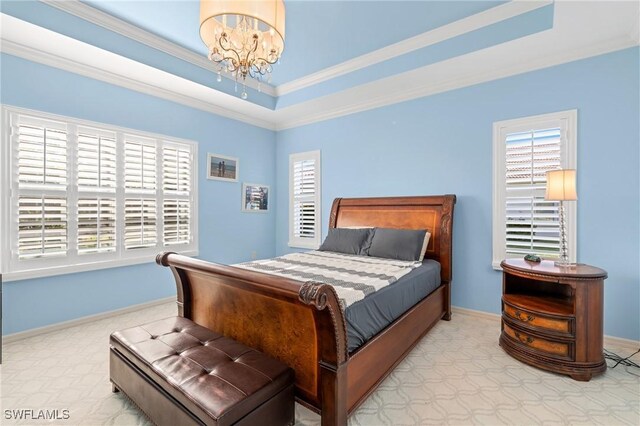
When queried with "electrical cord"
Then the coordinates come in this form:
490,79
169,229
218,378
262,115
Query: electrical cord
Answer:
626,361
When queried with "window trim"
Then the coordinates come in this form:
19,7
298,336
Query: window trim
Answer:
303,242
95,261
567,121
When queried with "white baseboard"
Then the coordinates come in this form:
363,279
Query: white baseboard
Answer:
9,338
474,313
608,340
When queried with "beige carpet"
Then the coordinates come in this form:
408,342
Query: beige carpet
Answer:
456,375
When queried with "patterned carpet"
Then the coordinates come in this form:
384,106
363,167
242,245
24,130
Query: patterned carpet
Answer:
456,375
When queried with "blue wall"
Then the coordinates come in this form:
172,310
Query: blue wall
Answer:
433,145
443,144
225,234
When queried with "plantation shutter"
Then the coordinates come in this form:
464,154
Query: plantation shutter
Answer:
96,225
304,199
96,160
140,229
84,195
42,213
96,203
140,212
176,173
42,155
532,223
42,227
139,165
177,218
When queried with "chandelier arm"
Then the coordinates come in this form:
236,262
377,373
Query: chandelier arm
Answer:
257,69
254,49
230,50
268,61
255,72
251,64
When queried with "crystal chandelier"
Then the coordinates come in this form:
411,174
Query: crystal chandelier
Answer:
244,37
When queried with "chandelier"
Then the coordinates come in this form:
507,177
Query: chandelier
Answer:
244,37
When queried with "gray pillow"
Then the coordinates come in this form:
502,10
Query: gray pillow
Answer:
401,244
349,241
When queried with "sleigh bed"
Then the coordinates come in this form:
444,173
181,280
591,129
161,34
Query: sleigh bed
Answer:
303,325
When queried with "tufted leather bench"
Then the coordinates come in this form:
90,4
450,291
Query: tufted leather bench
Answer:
179,373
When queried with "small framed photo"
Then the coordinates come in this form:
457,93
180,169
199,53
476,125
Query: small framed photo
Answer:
255,198
221,167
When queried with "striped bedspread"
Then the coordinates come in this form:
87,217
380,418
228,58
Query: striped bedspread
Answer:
353,277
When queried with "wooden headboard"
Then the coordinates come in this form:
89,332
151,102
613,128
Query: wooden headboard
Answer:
433,213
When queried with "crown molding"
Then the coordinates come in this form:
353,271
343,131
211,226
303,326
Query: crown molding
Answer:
37,44
582,30
117,25
454,29
460,72
435,36
46,58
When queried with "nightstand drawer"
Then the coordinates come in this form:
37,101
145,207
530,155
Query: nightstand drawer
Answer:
546,346
537,320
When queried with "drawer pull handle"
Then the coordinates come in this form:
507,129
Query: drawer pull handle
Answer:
522,317
523,339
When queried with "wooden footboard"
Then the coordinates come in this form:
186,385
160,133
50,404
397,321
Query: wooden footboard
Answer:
303,325
299,324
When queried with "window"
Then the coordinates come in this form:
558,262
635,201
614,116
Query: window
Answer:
304,200
82,196
524,150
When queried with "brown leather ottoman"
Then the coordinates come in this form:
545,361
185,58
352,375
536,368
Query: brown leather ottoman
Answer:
179,373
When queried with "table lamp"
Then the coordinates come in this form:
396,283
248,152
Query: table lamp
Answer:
561,186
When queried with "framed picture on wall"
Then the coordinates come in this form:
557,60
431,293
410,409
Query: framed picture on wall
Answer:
255,198
221,167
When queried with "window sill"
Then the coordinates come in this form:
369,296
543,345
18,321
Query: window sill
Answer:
309,246
86,267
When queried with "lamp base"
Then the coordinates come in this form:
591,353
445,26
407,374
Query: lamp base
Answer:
563,261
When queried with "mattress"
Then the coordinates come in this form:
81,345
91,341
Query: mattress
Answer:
369,316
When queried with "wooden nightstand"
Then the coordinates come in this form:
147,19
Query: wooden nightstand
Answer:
552,316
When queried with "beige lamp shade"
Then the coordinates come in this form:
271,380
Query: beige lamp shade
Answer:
561,185
220,15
